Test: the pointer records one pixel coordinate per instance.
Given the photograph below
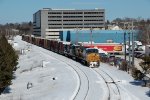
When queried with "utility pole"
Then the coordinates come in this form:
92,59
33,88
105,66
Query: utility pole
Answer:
129,51
125,46
132,46
125,57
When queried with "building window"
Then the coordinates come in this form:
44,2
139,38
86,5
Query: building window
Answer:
72,24
72,12
93,20
93,23
54,16
55,27
93,16
93,12
54,24
54,20
72,20
54,13
72,16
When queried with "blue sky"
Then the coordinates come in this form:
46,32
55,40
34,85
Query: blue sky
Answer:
22,10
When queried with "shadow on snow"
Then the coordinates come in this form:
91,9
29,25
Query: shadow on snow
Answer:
136,82
6,90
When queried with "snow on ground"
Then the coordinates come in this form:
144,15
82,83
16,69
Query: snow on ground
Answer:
43,77
53,81
127,83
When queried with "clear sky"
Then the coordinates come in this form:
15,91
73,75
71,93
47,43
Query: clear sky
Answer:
22,10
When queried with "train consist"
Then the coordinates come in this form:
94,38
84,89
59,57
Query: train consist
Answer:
78,52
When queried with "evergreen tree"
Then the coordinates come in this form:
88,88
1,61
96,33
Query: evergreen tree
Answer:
145,64
137,74
8,62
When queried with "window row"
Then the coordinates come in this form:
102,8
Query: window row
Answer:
76,12
67,24
54,20
93,20
54,16
75,20
55,27
94,24
72,16
72,20
72,27
93,12
54,24
54,13
72,24
72,12
93,16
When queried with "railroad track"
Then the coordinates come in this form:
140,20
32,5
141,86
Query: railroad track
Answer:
113,88
81,86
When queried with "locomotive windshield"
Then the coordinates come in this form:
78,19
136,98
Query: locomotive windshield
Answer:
92,50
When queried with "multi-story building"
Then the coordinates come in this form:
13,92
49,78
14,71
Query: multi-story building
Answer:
49,22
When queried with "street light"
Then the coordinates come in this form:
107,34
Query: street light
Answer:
130,32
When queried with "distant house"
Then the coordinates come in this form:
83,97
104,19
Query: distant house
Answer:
114,27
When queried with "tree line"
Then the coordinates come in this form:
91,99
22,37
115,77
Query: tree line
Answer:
21,28
8,63
143,25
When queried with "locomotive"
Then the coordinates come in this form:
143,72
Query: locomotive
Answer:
78,52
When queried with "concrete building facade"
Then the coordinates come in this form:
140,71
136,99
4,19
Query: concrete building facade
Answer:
49,22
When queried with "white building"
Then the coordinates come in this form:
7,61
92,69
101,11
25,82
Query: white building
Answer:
47,22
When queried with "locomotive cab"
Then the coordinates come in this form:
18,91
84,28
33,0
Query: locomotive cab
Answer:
91,57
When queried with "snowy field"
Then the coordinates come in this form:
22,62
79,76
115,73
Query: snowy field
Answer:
44,75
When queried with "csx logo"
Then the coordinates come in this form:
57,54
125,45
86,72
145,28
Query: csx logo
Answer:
118,48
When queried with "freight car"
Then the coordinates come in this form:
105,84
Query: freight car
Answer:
89,56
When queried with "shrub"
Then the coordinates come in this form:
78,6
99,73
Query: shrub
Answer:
123,65
136,74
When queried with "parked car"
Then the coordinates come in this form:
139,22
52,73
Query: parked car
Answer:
103,57
111,59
